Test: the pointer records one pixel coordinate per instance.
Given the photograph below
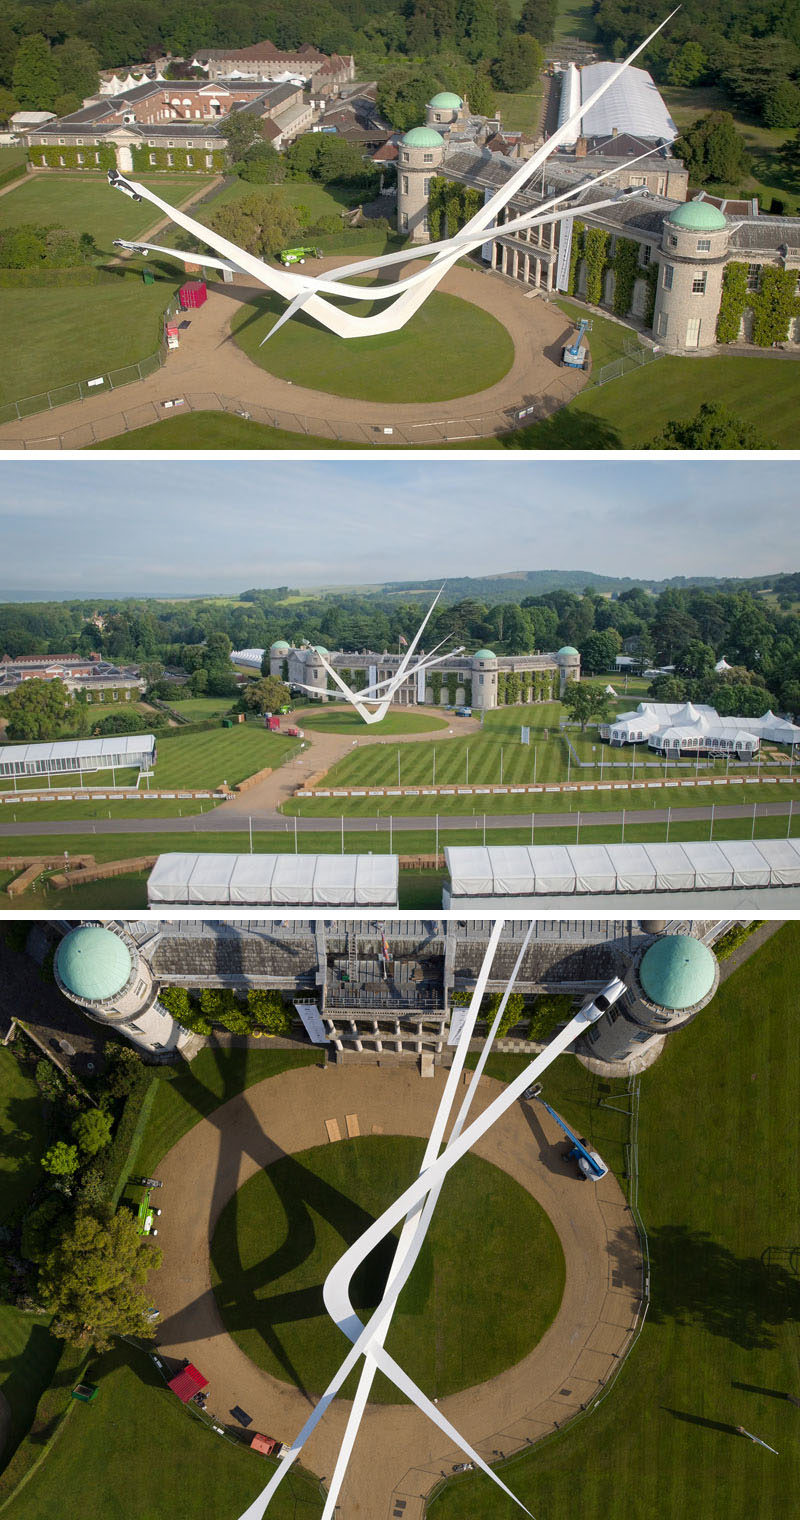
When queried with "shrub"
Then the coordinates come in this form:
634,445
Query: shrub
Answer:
550,1009
61,1160
92,1131
268,1009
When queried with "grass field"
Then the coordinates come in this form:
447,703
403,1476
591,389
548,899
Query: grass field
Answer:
11,154
449,348
217,430
86,203
220,754
187,1094
520,111
342,721
575,18
28,1357
195,708
769,177
628,413
719,1346
140,1455
278,1237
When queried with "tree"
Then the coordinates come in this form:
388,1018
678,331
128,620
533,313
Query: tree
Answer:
599,651
688,66
36,80
267,695
78,65
782,105
538,19
8,105
260,223
36,709
268,1010
518,64
714,426
91,1281
92,1130
123,1069
585,701
402,95
713,151
61,1160
696,660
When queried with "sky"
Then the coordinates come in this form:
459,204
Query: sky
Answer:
73,528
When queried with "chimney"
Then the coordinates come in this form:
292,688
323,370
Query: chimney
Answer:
581,147
615,131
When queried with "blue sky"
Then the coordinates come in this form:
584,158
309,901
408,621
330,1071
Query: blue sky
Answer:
78,527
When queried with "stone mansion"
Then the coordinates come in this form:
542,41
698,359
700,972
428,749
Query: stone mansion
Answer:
690,274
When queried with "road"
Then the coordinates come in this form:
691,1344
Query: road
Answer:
240,823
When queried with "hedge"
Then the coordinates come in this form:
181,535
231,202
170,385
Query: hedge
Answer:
116,1161
16,171
733,938
13,279
52,1410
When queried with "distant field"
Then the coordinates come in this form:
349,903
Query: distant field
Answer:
768,177
520,112
223,754
202,707
575,18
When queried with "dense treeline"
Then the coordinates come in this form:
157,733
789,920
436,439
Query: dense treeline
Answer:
689,628
753,51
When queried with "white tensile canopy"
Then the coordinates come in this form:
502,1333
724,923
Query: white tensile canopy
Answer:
285,881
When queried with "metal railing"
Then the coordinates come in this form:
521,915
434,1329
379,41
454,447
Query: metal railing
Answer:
634,357
81,390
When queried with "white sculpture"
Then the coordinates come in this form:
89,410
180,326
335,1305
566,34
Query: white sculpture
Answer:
357,699
415,1208
307,293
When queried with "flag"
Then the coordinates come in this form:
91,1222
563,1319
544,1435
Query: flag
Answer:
403,641
384,948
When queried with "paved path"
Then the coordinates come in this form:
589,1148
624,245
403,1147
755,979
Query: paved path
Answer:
399,1453
238,821
209,368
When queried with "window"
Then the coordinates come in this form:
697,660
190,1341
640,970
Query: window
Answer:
79,158
753,276
662,322
404,222
703,245
647,254
673,241
170,159
426,186
427,158
693,332
699,283
190,160
152,157
405,155
405,184
667,277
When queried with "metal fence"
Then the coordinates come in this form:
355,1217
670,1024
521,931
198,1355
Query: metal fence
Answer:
80,390
635,356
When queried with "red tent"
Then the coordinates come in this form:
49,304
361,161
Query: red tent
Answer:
187,1383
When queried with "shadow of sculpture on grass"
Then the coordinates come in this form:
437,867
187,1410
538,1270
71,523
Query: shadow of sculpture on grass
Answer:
698,1281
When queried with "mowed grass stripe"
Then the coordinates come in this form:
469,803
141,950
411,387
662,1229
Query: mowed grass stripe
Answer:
716,1192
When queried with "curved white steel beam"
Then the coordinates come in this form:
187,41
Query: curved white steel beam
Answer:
411,295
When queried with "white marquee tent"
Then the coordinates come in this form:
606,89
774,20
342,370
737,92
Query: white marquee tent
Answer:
132,751
281,881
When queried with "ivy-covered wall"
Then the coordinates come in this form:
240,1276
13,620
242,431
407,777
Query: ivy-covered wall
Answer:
525,686
591,247
774,305
145,158
47,157
450,205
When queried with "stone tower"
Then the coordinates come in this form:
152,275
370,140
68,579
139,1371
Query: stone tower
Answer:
691,264
420,158
484,679
569,666
445,111
669,982
99,967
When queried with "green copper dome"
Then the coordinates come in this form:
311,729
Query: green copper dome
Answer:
677,972
423,137
697,216
485,654
320,649
568,649
446,101
279,647
93,963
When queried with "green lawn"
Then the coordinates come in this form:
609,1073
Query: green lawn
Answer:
607,340
12,154
277,1239
195,708
137,1454
628,413
220,754
575,18
36,813
22,1135
28,1358
719,1346
520,112
187,1094
87,203
217,430
449,348
341,721
320,200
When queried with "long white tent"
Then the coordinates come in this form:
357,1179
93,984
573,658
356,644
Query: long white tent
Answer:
515,874
280,881
125,751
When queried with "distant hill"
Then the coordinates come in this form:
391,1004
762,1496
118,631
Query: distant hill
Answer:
516,584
